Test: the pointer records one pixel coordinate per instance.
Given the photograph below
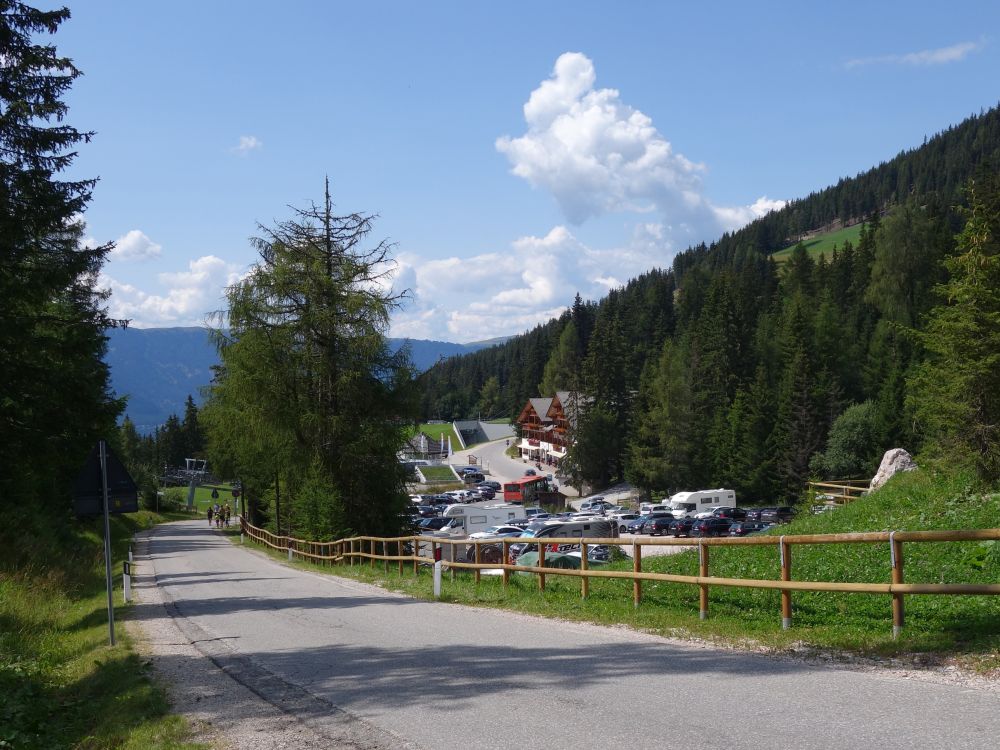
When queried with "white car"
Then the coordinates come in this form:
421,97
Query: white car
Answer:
496,532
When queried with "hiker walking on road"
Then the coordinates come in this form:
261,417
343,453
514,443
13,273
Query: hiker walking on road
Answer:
210,516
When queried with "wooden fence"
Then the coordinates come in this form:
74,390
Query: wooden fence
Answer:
840,490
409,551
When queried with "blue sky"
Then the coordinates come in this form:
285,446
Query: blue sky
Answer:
518,153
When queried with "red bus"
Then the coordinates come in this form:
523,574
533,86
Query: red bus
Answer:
525,490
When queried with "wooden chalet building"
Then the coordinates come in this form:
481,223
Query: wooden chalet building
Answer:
546,427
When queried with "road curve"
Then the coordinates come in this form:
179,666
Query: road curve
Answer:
384,670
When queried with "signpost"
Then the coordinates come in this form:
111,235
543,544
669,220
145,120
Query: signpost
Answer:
104,485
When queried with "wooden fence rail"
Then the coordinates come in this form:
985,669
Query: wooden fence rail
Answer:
410,550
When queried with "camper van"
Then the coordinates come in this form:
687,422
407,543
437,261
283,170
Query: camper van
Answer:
471,517
690,504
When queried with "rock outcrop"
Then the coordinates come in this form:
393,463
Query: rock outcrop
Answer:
893,462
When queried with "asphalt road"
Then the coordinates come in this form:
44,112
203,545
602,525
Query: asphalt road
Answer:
404,673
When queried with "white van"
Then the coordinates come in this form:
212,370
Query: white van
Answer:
688,504
653,507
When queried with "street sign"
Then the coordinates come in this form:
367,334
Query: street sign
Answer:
236,493
88,498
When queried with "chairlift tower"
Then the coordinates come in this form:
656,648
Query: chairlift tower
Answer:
195,469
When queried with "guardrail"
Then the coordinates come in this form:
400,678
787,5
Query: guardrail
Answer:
409,550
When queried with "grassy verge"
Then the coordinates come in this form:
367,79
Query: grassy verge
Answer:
962,628
61,684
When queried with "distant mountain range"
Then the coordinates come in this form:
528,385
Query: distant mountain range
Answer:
158,367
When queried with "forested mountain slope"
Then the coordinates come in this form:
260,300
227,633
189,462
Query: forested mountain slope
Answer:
725,369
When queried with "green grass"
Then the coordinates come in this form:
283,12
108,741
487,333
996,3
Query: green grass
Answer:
438,473
962,628
202,497
61,684
437,430
823,244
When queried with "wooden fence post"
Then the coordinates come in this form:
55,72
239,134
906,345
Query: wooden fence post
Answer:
786,575
478,561
636,568
703,572
371,552
541,564
416,552
399,555
896,558
584,580
505,551
350,554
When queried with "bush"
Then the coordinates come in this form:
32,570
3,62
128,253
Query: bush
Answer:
854,445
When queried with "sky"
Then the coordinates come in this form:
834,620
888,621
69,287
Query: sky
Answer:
516,153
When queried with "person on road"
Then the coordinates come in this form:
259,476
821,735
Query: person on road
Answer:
210,515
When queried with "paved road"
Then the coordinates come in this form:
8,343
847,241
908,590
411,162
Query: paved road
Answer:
420,674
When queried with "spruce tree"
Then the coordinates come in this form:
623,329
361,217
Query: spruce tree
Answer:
955,394
54,398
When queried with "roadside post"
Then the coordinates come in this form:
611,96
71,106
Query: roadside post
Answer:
437,571
127,580
104,486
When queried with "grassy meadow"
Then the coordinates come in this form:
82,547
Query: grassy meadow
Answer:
823,244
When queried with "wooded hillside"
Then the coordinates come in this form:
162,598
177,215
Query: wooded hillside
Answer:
726,370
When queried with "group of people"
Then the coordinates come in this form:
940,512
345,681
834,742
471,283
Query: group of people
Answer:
219,514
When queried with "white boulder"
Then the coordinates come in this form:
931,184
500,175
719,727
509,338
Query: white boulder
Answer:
893,462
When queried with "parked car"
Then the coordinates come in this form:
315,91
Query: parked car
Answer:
497,531
495,486
427,511
745,528
711,527
731,514
657,526
623,520
434,524
782,514
753,514
640,525
594,503
682,526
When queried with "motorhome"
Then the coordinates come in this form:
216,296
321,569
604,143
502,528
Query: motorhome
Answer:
685,504
471,517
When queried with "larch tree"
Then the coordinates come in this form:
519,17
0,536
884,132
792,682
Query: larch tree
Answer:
309,387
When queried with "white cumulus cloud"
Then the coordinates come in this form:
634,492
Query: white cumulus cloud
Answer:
508,292
135,245
597,154
185,297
